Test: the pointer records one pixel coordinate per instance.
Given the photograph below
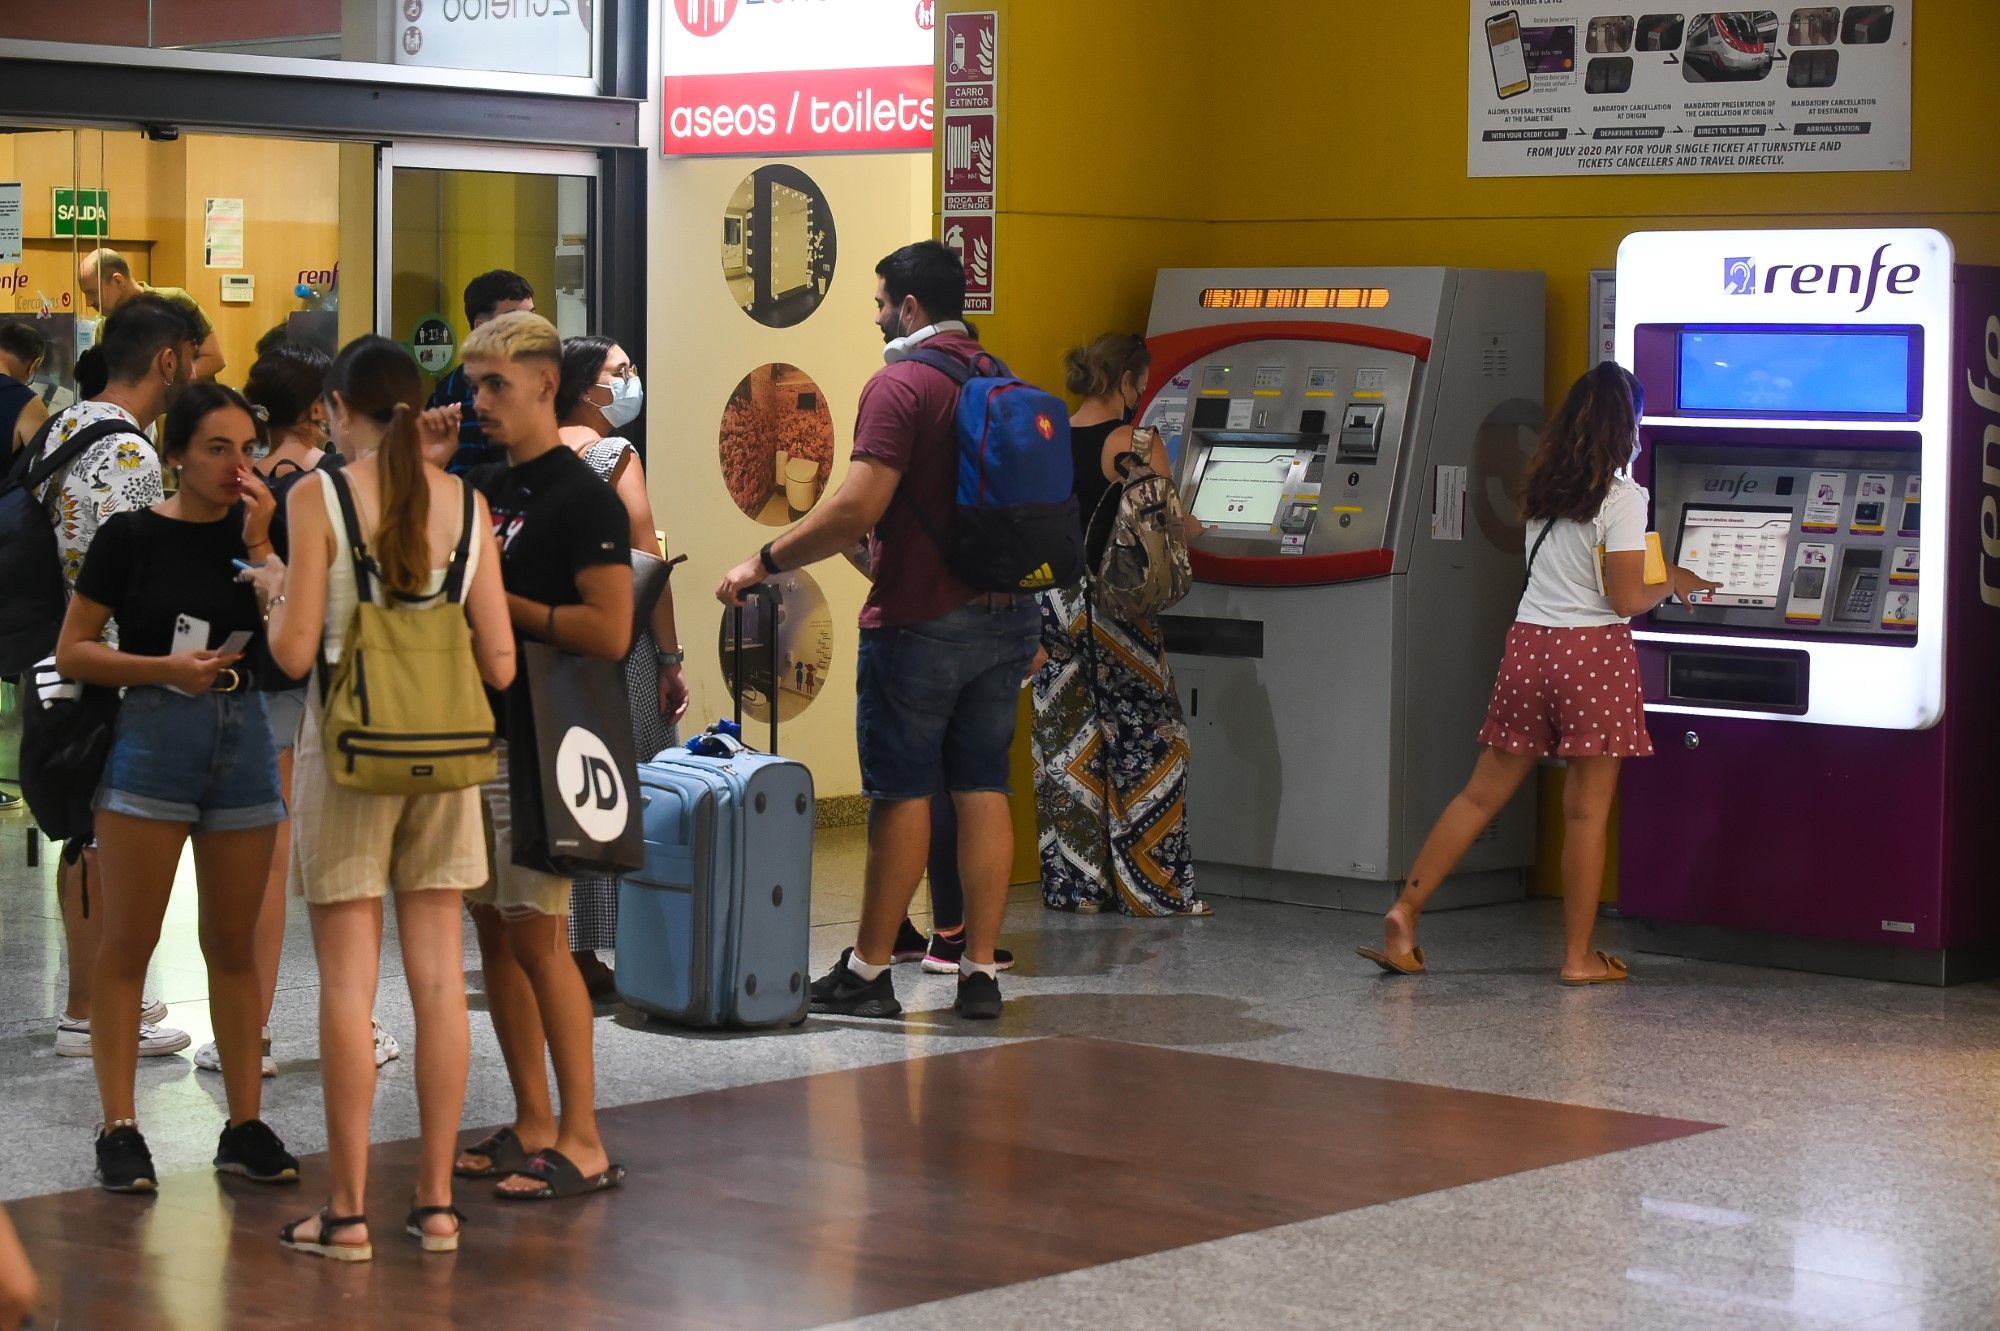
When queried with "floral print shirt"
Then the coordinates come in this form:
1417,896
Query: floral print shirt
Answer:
117,474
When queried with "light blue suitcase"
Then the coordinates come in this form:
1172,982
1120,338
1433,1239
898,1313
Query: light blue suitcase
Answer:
715,928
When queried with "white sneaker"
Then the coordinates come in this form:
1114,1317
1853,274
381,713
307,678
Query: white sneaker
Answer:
386,1047
73,1039
153,1010
209,1060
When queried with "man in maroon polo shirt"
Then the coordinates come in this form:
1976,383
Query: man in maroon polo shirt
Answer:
940,665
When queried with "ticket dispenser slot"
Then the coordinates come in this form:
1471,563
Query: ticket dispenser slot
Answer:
1860,586
1361,433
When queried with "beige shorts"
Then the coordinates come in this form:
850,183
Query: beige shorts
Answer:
510,889
353,845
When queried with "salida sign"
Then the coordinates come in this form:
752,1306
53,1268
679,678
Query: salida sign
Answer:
768,77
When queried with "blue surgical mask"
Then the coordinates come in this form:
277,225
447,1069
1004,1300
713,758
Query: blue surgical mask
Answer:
628,395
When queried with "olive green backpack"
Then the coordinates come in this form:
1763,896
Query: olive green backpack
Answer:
405,708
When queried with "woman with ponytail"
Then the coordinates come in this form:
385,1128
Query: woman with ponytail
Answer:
1569,683
350,847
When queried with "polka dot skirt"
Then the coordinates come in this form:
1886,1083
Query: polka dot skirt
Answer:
1570,693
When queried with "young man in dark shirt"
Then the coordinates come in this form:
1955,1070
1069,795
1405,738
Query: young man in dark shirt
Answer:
487,296
940,664
564,555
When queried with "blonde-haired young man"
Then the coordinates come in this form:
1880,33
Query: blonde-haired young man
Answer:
564,543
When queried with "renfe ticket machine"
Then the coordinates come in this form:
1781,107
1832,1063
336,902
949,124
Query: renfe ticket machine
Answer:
1822,437
1350,440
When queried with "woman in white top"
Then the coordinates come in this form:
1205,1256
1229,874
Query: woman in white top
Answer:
1569,684
349,846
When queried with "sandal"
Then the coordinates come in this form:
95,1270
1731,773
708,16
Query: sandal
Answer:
413,1225
560,1179
1614,973
319,1247
1410,963
504,1155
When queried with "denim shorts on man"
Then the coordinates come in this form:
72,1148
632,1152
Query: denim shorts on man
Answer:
938,700
207,761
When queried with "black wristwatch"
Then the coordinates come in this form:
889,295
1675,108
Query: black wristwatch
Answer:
770,564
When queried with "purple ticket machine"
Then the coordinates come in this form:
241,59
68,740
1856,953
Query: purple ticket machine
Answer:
1822,437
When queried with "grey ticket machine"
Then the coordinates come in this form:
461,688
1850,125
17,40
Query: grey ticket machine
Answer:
1351,440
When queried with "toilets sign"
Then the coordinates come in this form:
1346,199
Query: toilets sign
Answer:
82,214
762,77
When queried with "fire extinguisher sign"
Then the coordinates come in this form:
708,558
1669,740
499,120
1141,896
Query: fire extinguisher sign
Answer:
970,146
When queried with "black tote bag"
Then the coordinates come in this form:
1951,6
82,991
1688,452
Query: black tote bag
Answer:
573,778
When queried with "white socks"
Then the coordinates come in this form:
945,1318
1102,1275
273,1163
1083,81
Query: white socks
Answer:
863,969
967,966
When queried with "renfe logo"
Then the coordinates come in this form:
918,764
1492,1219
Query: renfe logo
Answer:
1729,485
1987,397
704,18
591,786
1739,278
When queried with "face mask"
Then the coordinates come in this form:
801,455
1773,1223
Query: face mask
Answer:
628,395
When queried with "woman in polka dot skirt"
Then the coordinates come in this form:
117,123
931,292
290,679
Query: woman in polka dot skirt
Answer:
1569,685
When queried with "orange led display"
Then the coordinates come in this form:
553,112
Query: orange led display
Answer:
1294,298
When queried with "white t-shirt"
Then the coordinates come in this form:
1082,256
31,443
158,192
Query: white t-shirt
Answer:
1565,590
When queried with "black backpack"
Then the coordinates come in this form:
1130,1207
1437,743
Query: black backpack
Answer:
33,595
270,679
64,746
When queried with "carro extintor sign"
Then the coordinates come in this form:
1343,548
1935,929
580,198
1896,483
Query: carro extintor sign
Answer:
764,77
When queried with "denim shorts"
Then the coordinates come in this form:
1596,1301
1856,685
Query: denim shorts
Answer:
287,710
938,700
207,761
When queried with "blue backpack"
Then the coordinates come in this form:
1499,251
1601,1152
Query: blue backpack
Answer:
1015,526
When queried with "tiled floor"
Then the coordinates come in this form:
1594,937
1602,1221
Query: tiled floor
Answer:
1855,1181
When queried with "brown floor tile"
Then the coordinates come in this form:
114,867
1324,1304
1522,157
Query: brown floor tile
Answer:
801,1202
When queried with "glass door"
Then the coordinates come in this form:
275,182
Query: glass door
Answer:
452,213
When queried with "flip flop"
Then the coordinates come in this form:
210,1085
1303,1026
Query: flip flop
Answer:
1614,973
504,1155
560,1179
1410,963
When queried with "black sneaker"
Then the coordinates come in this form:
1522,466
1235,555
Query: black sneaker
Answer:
840,992
254,1151
942,959
123,1162
978,997
910,944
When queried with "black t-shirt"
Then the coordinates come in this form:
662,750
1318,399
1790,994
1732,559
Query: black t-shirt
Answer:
555,518
1086,449
150,570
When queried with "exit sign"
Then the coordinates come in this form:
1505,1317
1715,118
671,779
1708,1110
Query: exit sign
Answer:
82,213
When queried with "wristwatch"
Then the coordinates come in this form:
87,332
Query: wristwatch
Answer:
669,659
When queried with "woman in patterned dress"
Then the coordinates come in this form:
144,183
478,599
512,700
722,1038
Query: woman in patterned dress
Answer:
600,392
1111,746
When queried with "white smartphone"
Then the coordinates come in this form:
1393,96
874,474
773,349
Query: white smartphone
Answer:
190,635
1510,58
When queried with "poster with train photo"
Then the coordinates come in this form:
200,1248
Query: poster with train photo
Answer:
1574,87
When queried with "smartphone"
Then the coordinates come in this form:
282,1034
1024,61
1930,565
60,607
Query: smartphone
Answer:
1510,59
190,635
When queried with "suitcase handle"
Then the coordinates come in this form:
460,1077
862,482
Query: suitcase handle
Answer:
768,593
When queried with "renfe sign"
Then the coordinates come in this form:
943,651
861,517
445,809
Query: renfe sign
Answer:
771,77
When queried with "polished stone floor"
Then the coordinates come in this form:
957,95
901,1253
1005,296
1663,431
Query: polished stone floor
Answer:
1854,1181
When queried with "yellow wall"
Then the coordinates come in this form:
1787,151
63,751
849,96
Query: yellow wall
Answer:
701,344
293,210
1142,134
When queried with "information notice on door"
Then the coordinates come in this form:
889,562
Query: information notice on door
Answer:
1558,88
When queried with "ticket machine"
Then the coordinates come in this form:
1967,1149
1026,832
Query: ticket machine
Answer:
1350,438
1822,437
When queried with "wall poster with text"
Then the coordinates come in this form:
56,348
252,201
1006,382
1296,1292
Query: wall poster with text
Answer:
970,141
1583,87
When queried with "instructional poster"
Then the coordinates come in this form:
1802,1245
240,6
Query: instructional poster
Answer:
968,130
1579,87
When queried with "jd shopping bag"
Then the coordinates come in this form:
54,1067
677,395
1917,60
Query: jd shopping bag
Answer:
573,778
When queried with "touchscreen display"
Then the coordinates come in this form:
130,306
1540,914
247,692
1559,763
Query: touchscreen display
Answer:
1742,548
1788,372
1243,485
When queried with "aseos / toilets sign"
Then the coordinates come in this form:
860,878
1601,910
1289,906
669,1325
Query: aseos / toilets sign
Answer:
772,77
